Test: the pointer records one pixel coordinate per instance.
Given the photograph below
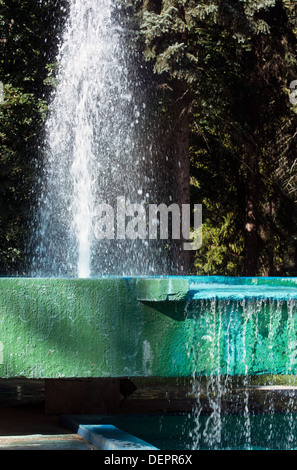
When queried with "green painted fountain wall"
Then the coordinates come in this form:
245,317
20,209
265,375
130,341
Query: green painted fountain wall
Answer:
115,327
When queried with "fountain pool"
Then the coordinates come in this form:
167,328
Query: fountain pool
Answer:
220,333
180,432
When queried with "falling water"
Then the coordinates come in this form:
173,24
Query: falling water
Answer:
234,408
97,149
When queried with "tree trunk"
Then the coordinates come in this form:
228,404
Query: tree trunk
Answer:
251,222
181,164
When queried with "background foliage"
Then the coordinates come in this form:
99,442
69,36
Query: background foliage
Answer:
28,39
236,59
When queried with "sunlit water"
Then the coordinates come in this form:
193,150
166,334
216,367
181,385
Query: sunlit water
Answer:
99,146
239,334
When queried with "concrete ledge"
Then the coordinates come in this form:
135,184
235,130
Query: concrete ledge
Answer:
45,442
161,290
106,436
146,327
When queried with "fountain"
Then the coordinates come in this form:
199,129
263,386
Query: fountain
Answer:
99,148
102,307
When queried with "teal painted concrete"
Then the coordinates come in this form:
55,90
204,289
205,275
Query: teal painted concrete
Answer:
165,327
104,436
108,437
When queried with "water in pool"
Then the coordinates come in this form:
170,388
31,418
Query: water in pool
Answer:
274,431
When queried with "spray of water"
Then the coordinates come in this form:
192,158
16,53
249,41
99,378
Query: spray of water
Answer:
98,147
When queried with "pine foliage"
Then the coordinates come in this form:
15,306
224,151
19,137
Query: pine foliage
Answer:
237,58
29,32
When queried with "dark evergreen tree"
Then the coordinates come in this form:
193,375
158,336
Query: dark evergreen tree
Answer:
228,64
29,34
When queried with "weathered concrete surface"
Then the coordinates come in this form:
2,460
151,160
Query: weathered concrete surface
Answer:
85,328
162,327
160,290
41,442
